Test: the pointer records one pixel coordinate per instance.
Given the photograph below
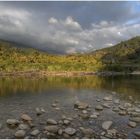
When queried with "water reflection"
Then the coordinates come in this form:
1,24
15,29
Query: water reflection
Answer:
128,85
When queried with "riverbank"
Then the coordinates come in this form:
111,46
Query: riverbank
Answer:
61,73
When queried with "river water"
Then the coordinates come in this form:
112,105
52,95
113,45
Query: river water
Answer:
24,95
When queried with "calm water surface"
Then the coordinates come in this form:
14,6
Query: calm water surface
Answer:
23,95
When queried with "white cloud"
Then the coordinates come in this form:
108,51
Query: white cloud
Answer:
52,20
69,22
63,36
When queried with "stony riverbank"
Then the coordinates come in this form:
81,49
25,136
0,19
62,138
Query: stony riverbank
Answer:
60,73
69,125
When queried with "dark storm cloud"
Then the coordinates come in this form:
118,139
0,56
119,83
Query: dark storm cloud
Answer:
67,27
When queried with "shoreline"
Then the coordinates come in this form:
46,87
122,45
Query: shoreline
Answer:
64,73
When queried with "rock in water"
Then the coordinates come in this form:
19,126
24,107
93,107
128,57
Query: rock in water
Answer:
106,105
132,124
51,121
106,125
12,122
99,107
88,132
70,131
20,134
137,133
52,128
93,116
66,122
81,105
135,119
26,117
35,132
123,113
84,111
117,101
60,131
38,111
109,98
23,126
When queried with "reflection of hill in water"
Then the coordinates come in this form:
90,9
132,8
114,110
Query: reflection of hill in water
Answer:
129,85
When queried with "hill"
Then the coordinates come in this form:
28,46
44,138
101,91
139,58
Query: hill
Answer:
124,57
126,54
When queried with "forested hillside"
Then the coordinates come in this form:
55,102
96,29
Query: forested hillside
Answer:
124,56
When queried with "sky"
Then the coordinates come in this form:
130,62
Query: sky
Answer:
69,27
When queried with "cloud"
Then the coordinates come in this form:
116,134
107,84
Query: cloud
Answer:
68,34
52,20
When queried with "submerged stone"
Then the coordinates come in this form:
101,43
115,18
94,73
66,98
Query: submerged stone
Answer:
12,122
35,132
106,125
51,121
70,131
81,105
26,117
20,134
52,128
99,107
132,124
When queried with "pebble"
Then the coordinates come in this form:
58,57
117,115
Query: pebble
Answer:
35,132
130,98
38,111
96,113
54,105
115,109
113,92
12,122
84,111
70,131
127,105
57,108
60,122
137,110
81,105
23,126
52,128
122,113
137,133
98,100
93,116
64,117
26,117
60,131
109,98
121,107
51,121
135,119
117,101
132,124
42,110
99,107
84,116
20,134
88,132
106,125
106,105
135,114
111,133
66,122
